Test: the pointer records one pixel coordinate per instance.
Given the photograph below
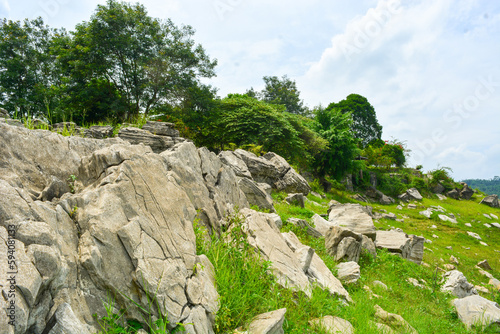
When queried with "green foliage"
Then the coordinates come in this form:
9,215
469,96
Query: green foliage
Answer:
386,154
244,120
282,92
365,124
28,72
489,187
338,157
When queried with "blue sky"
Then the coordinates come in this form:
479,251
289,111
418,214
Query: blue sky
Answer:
430,68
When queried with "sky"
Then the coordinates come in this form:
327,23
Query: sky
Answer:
431,69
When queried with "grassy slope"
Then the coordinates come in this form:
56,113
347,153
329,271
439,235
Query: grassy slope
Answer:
428,310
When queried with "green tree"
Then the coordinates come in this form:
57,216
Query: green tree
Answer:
284,92
244,120
27,72
144,62
364,119
337,158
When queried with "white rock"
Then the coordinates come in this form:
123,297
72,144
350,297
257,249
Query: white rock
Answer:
474,235
475,309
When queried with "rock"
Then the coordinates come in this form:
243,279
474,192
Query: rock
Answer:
342,243
353,217
348,272
426,213
320,224
454,193
255,194
390,216
412,206
360,198
368,246
262,170
55,189
449,267
68,127
415,282
137,136
466,192
474,235
380,285
408,247
318,273
65,321
491,201
161,128
98,132
382,328
399,207
4,113
476,310
331,204
379,196
441,197
296,199
454,260
438,188
495,283
268,323
447,219
332,324
483,243
487,215
264,236
237,164
487,225
493,216
303,224
497,225
414,194
394,321
293,182
485,265
482,289
276,219
456,283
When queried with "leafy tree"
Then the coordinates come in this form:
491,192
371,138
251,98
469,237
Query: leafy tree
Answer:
284,92
27,73
244,120
337,158
386,154
364,119
143,62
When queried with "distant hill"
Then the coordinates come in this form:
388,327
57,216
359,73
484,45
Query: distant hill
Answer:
488,186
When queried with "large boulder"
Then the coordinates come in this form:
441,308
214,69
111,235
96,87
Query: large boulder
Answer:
491,200
161,128
476,310
255,194
268,323
262,170
408,247
411,194
454,193
353,217
99,132
466,192
348,272
343,244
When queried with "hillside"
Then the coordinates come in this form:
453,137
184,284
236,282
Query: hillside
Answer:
144,230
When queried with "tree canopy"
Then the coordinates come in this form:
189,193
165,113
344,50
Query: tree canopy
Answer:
282,92
364,119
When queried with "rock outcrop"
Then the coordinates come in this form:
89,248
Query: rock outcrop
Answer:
126,230
408,247
491,200
353,217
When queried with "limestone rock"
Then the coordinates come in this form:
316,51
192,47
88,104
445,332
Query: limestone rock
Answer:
410,195
237,164
320,224
474,235
255,194
296,199
318,272
161,128
303,224
394,321
368,246
55,189
262,170
491,200
454,193
456,283
466,192
438,188
353,217
98,132
342,243
484,264
475,309
448,219
268,323
137,136
348,272
407,246
332,324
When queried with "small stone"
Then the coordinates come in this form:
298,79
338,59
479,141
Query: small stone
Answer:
487,225
449,267
434,226
487,215
468,225
474,235
380,284
449,247
453,260
483,243
484,264
481,289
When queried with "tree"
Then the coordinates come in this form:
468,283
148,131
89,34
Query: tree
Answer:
244,120
337,158
364,119
283,92
144,62
27,73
